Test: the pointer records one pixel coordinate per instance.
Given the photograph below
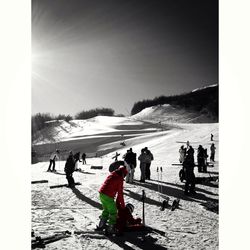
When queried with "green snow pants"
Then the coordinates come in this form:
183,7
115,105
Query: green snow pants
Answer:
109,209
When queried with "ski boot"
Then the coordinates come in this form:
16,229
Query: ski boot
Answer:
111,230
102,224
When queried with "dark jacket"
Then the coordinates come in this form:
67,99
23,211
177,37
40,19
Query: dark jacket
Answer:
70,165
129,158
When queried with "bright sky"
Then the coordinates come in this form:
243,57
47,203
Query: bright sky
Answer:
89,54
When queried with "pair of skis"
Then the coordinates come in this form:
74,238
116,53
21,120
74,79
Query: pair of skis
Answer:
165,202
41,242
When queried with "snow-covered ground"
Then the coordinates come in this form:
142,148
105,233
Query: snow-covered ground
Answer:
192,226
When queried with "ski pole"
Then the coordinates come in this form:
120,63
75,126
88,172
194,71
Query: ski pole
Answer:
161,179
158,186
143,213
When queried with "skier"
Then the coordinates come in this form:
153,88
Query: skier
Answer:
83,158
201,158
52,160
212,149
112,186
212,137
182,152
148,164
69,170
126,221
130,163
188,167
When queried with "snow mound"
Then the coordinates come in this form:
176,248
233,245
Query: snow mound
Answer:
169,114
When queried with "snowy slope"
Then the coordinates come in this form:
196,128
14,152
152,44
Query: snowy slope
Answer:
62,130
192,226
168,114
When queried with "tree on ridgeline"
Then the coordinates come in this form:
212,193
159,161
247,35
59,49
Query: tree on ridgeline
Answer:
94,112
204,100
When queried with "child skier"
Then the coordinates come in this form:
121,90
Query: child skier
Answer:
125,220
112,186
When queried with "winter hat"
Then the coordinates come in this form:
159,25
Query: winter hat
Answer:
123,170
130,207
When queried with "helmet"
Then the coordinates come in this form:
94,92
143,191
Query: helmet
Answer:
130,207
123,170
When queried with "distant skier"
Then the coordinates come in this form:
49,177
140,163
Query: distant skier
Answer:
69,170
212,149
182,152
125,220
111,188
130,163
148,164
52,160
212,137
188,168
84,158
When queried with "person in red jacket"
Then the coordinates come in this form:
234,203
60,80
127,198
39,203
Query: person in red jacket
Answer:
111,188
126,221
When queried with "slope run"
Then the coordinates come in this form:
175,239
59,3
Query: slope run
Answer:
169,114
190,227
61,130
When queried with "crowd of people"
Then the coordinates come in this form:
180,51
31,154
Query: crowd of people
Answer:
186,158
116,215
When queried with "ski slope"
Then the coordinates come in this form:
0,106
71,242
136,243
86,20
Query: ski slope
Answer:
192,226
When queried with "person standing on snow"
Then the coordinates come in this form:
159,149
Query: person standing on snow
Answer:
188,168
69,170
130,163
111,188
212,137
201,159
52,161
212,149
182,152
144,159
83,158
150,158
